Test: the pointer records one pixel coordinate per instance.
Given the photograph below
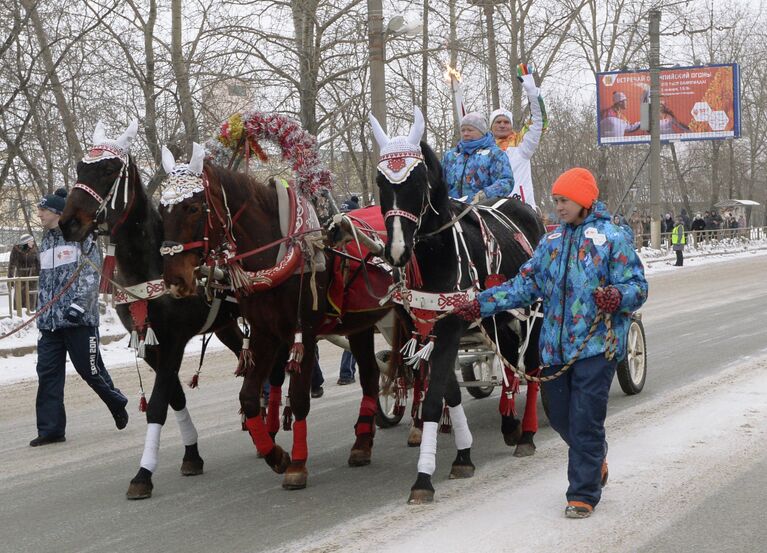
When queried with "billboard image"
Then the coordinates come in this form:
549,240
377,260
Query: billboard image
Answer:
696,103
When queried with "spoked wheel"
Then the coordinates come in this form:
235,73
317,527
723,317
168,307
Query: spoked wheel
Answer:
387,416
469,374
632,371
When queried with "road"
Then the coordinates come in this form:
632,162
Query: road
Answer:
70,497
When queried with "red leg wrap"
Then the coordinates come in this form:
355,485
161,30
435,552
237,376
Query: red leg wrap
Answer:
263,442
530,418
300,449
273,411
365,421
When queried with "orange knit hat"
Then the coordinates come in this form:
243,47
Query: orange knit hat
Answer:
578,185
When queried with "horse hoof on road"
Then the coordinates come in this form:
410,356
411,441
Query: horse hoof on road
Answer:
524,450
422,491
414,438
296,476
511,429
461,471
141,485
362,451
192,465
278,459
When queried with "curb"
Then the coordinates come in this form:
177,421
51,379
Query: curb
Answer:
26,350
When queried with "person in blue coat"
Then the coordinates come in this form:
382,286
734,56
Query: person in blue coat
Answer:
477,168
68,322
585,266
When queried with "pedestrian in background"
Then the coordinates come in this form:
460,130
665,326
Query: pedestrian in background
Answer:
25,262
678,241
69,325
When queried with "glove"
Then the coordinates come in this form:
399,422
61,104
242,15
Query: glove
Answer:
608,299
479,197
468,310
74,314
528,84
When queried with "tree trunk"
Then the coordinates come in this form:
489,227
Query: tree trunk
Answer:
150,118
453,62
181,73
425,70
70,131
304,14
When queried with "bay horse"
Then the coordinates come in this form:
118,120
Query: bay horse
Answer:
215,215
109,194
449,246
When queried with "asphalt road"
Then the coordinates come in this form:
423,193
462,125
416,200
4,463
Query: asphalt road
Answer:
70,497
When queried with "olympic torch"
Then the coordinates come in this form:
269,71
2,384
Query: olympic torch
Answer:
457,88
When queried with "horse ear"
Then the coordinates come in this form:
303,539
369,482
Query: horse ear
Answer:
127,137
99,136
416,131
380,135
198,156
168,161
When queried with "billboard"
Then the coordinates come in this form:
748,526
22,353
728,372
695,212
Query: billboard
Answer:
696,103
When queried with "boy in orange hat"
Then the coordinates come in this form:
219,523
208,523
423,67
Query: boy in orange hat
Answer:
586,266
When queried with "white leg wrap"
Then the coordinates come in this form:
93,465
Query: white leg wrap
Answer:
461,430
186,426
427,461
151,447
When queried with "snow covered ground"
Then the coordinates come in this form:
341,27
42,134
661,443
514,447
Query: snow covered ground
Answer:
666,456
14,367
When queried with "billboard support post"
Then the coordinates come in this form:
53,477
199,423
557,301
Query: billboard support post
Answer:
655,211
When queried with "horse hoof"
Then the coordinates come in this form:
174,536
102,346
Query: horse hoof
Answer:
420,497
524,450
461,471
295,477
139,490
359,457
191,467
414,438
278,459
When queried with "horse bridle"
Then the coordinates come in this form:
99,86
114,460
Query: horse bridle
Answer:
99,217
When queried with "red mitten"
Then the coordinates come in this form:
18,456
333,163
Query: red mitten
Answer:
468,310
608,299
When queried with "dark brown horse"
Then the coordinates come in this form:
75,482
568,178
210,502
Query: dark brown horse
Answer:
109,194
210,214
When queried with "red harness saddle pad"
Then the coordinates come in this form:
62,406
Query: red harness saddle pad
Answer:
347,291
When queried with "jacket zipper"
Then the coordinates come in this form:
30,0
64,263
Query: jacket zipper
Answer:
564,297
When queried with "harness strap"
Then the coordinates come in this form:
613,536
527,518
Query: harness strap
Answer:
212,314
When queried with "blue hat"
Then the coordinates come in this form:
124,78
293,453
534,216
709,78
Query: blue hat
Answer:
55,202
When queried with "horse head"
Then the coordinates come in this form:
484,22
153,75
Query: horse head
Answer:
407,169
101,174
184,211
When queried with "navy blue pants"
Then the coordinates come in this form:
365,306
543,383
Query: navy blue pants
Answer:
577,408
348,365
82,345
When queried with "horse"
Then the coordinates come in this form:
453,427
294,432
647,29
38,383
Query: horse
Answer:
221,217
452,250
109,194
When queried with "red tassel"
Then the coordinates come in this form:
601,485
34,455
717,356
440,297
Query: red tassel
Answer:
195,382
296,355
142,404
446,425
107,270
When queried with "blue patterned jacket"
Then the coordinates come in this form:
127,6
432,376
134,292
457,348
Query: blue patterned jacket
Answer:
568,265
485,169
58,261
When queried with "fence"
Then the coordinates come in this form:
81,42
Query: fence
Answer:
725,238
18,296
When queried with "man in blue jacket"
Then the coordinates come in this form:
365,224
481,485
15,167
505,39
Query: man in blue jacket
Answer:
69,325
587,265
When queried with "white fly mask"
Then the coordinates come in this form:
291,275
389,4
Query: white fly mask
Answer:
184,179
107,148
401,154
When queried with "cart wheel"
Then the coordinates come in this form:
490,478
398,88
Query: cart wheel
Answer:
386,417
632,371
468,374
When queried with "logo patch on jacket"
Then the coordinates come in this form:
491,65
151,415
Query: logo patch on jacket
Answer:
596,237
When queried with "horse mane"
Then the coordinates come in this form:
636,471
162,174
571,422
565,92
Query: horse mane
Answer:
433,165
242,187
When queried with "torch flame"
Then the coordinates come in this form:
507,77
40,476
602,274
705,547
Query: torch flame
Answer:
451,73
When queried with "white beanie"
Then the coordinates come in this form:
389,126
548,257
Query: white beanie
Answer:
506,113
477,120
